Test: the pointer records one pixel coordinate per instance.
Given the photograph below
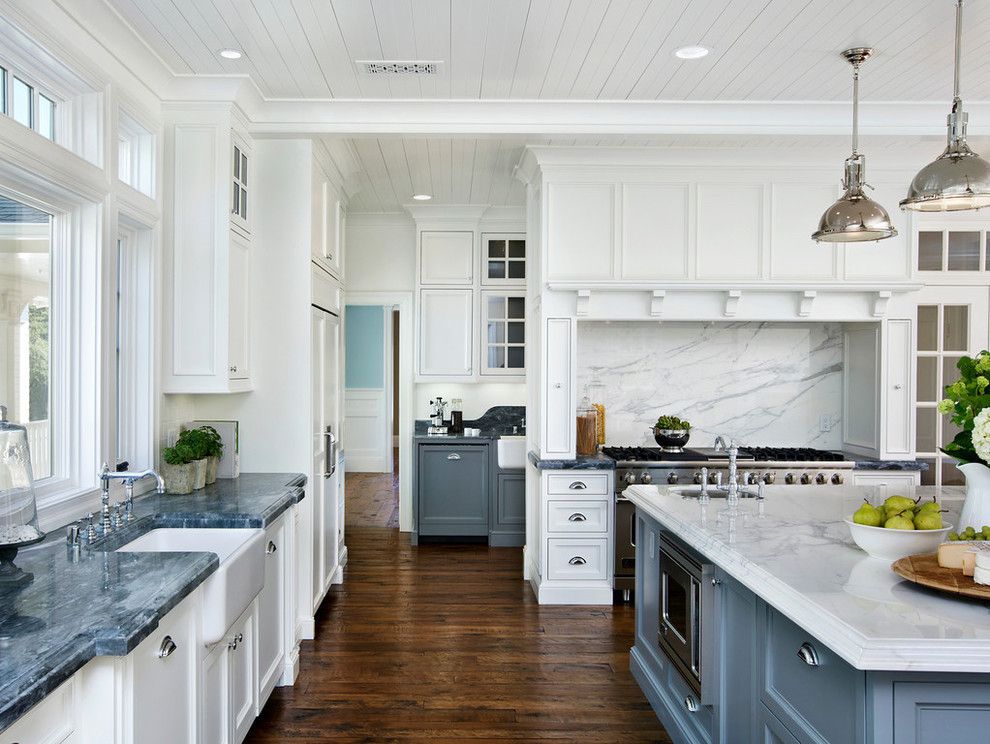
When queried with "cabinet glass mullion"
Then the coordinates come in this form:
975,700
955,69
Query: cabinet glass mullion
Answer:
504,333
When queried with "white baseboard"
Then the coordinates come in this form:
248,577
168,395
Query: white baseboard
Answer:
356,463
307,628
290,668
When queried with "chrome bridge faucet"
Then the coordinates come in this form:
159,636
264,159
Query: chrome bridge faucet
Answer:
107,523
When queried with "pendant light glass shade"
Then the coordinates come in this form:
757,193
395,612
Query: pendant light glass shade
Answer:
855,216
959,178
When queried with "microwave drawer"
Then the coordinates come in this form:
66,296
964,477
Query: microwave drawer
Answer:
578,484
578,516
573,558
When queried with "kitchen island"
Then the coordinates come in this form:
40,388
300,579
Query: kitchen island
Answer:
804,637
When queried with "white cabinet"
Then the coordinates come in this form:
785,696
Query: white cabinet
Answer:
228,699
503,259
52,721
888,483
730,231
446,257
445,333
655,231
559,369
272,618
206,254
327,225
238,321
503,329
898,396
580,231
162,704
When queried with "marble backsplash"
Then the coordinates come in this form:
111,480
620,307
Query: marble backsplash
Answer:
762,383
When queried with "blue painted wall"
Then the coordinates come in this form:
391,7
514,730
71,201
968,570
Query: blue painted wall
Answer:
364,344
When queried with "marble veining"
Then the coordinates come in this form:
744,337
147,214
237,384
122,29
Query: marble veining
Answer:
589,462
103,603
797,554
762,383
495,422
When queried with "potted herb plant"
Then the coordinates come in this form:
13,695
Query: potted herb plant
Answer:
199,444
214,452
967,403
671,433
178,468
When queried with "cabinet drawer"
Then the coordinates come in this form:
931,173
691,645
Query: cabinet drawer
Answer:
577,484
817,702
51,721
578,516
570,559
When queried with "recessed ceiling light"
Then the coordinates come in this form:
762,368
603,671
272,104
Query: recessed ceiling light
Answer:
230,53
691,52
422,197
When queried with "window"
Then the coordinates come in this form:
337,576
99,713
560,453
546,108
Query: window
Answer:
504,333
25,325
135,154
26,104
943,337
957,249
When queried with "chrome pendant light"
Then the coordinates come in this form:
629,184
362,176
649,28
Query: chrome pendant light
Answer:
959,178
854,217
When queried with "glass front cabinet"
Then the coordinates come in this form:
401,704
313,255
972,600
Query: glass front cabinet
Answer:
504,259
503,333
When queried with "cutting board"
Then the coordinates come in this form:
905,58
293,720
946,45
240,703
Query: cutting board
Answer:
924,569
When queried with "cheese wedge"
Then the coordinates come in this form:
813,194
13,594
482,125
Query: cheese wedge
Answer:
981,575
983,557
950,554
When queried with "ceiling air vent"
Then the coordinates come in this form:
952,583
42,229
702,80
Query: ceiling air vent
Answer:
399,66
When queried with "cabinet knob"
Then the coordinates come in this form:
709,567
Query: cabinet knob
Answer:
233,368
716,581
558,385
577,517
453,456
577,561
898,386
691,704
272,547
808,654
167,648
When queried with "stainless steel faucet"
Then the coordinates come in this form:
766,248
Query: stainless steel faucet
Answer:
733,485
719,443
129,478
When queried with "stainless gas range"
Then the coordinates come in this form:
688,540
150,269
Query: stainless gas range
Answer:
768,465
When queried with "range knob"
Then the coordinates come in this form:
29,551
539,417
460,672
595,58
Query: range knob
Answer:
752,479
837,479
820,479
697,478
790,478
630,478
645,477
769,478
713,478
672,478
805,478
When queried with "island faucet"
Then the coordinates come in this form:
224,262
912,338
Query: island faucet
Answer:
719,443
732,494
129,478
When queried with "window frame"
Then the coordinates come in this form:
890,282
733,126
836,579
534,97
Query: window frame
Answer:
38,89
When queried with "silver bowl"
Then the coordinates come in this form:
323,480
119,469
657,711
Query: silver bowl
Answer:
671,440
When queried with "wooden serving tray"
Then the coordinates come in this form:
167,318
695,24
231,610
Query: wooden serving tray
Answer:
923,569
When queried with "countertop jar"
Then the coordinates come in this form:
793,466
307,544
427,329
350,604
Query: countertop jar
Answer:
587,429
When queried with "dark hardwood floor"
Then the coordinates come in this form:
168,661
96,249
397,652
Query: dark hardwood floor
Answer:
447,644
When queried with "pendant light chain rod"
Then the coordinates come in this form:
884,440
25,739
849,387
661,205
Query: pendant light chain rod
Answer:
955,80
855,108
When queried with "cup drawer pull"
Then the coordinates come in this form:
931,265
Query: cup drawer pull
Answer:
167,648
272,547
453,456
808,654
578,486
577,517
577,561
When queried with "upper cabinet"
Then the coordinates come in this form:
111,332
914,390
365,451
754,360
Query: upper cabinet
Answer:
503,259
446,257
327,224
206,252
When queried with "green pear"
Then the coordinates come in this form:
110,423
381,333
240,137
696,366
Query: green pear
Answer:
898,503
932,507
899,523
869,515
928,521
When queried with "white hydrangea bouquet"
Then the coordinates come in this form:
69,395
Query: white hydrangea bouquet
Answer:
967,402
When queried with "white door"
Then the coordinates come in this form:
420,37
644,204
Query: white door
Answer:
214,725
239,334
446,257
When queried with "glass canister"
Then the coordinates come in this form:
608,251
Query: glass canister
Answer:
587,428
18,508
457,416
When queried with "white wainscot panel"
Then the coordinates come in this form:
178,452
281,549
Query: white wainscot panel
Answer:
654,231
889,258
366,426
795,212
730,231
581,231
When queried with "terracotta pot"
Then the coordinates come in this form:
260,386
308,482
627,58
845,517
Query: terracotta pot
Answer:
200,467
179,478
211,469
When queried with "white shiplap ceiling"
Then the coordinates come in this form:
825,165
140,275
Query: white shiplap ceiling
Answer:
573,49
382,174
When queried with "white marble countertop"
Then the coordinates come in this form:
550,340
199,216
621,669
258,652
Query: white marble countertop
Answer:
794,550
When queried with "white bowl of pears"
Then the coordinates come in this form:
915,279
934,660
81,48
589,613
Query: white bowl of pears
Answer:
899,527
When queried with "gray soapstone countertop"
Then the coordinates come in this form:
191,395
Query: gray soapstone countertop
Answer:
103,603
589,462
